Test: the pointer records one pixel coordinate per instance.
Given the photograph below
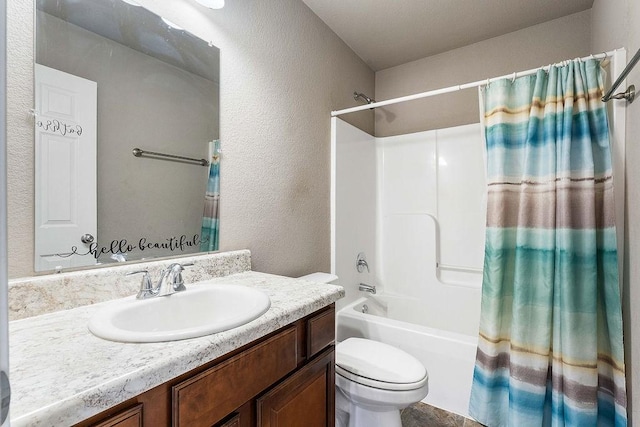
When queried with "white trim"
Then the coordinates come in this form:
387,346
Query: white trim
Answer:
617,115
457,87
4,276
332,179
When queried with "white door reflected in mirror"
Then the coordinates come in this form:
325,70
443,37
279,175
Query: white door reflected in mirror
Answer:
65,168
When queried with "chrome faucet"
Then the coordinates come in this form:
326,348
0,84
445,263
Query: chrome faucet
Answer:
170,282
367,288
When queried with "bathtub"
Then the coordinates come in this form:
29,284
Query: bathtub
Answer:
448,356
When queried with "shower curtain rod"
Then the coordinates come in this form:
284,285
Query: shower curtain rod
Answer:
456,88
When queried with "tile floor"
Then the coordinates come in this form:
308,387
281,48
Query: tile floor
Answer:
423,415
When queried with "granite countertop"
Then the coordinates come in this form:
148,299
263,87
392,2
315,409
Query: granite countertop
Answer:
62,374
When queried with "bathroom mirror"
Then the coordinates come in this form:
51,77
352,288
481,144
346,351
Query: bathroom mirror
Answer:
113,76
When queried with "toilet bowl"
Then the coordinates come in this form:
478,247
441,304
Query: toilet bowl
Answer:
377,381
374,380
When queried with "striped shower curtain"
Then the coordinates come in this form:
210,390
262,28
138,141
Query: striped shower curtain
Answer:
210,233
550,349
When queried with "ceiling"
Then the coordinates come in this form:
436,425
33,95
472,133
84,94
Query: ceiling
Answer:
139,29
386,33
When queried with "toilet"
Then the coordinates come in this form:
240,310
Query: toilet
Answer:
374,380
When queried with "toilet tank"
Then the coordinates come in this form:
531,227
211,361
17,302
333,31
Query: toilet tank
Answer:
321,278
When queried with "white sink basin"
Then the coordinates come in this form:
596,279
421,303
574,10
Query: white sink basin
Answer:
198,311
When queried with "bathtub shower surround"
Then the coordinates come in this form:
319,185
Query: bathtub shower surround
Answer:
550,350
431,208
424,221
423,232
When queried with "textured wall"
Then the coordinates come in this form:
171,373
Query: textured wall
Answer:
531,47
631,296
20,135
282,72
616,24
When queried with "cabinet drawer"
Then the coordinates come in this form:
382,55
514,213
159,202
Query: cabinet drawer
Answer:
213,394
234,421
321,331
129,418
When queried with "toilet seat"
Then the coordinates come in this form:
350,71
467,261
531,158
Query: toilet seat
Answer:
379,365
381,384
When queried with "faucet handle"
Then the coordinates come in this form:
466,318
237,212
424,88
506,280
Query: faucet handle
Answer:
175,265
361,263
146,287
175,276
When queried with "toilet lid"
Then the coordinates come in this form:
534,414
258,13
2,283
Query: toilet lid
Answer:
379,365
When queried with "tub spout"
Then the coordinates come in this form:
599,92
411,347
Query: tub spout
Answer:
367,288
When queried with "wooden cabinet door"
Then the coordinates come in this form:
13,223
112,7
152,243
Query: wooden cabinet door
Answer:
209,397
306,399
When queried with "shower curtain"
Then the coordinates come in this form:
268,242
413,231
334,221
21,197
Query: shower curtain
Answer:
210,234
550,349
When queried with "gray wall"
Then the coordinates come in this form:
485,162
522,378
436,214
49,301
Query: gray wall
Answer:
545,43
617,24
282,72
145,103
4,292
20,136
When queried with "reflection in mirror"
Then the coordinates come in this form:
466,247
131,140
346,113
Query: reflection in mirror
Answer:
111,77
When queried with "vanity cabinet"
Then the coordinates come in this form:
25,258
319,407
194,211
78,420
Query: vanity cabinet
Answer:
284,379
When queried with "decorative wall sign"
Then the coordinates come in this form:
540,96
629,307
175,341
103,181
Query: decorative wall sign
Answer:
58,127
123,246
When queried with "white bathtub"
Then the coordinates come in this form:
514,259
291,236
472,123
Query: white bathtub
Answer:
402,322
